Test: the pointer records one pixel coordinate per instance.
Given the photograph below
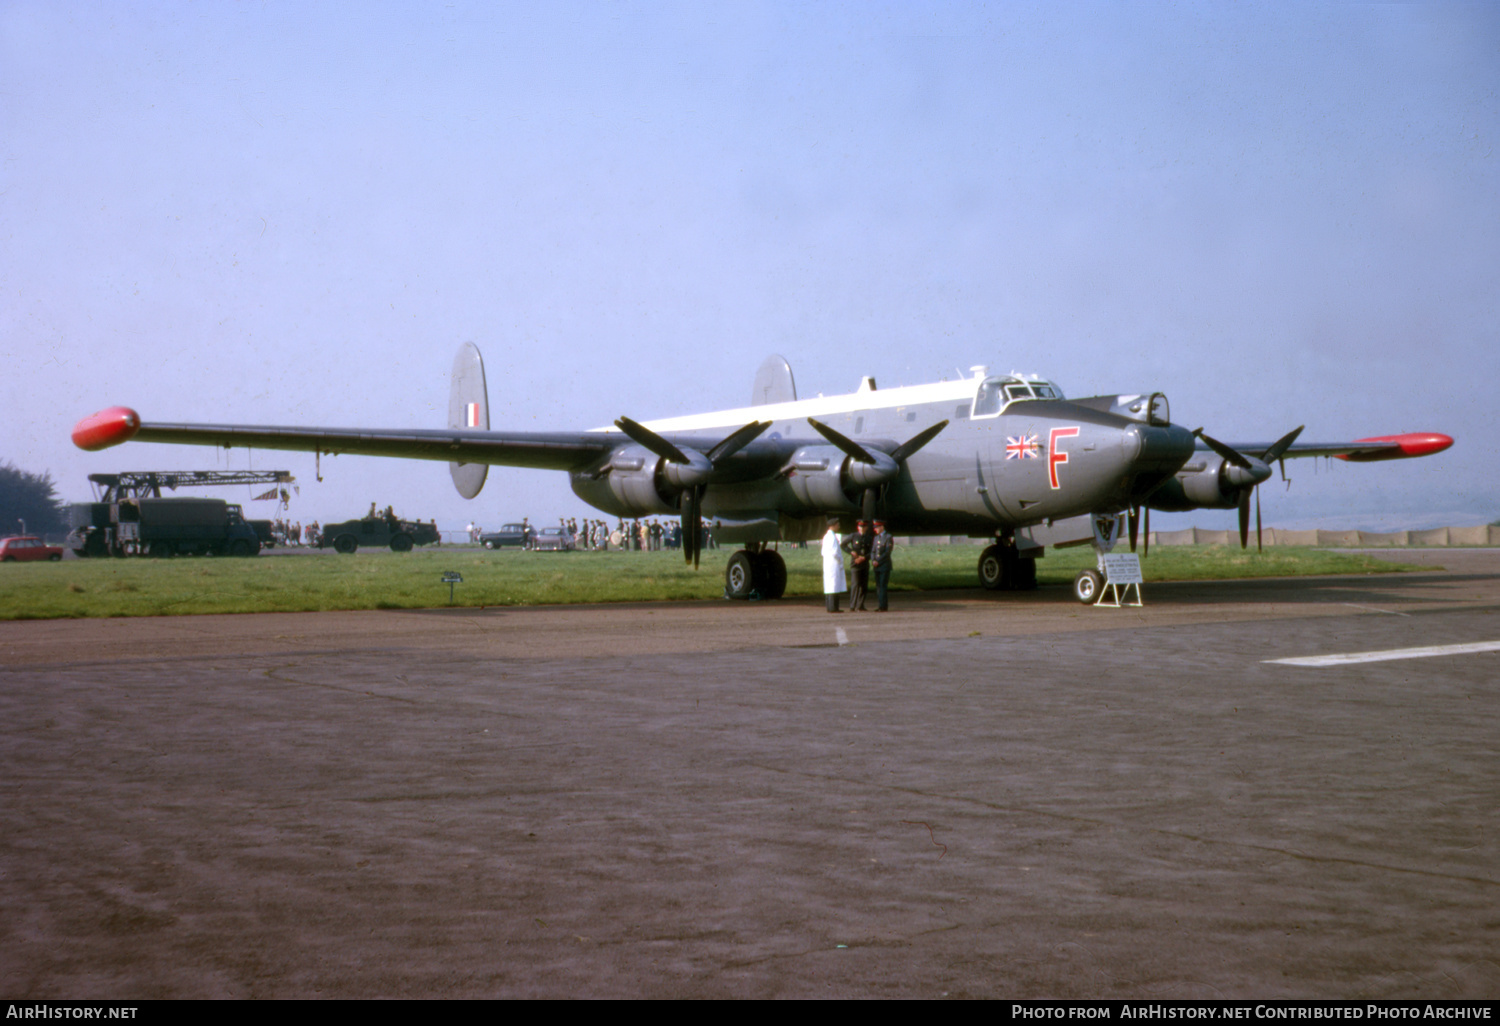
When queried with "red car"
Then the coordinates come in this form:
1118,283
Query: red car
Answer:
25,547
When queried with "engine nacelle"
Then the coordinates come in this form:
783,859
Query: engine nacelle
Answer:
1200,484
817,479
629,485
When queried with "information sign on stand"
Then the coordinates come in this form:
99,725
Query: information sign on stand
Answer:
450,578
1122,570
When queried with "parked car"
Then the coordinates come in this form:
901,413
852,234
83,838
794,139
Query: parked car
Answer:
553,539
510,536
26,547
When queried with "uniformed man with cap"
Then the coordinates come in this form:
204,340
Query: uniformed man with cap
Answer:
881,548
858,547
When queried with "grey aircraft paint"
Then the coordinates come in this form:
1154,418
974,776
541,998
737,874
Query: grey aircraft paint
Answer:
984,456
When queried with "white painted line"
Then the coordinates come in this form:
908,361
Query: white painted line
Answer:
1376,609
1344,658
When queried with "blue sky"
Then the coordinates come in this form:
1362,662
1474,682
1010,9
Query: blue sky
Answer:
295,213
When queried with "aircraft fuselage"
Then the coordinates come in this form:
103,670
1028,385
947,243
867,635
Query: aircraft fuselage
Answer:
992,467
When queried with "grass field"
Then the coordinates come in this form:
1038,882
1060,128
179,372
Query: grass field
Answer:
385,580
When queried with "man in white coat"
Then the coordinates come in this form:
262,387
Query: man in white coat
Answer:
833,566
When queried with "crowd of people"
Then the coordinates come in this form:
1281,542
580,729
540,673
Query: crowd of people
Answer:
285,532
293,534
648,535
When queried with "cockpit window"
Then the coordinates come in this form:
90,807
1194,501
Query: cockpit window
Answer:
987,401
995,393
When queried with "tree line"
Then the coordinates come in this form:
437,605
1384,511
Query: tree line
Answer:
32,498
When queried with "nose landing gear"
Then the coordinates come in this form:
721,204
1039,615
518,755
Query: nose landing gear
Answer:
1089,584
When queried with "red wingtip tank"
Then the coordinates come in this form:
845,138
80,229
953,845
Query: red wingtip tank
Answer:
106,428
1419,443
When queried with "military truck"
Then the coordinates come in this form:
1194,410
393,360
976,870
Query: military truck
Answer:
377,531
161,527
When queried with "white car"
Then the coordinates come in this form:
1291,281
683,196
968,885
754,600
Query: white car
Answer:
553,539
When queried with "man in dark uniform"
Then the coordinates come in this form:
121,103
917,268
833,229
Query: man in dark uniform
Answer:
858,546
881,547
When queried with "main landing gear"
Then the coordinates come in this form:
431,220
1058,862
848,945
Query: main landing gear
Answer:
1001,567
755,572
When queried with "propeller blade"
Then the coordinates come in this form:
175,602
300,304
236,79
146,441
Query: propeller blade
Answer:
909,447
644,436
867,505
1275,452
1135,523
848,446
1258,546
1245,518
692,524
698,512
1230,456
1146,546
737,441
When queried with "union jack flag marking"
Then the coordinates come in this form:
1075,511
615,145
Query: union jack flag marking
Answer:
1022,448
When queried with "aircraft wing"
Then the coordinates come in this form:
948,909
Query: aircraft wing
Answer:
563,450
540,450
1362,450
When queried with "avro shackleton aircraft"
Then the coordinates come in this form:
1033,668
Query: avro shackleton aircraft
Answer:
989,456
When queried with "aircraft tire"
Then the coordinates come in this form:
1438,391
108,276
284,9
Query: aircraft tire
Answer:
1087,586
992,569
401,543
740,577
345,544
773,575
55,557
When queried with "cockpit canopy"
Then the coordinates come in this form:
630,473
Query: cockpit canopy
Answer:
999,392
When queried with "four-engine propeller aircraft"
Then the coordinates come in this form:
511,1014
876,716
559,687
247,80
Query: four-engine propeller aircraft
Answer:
989,456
